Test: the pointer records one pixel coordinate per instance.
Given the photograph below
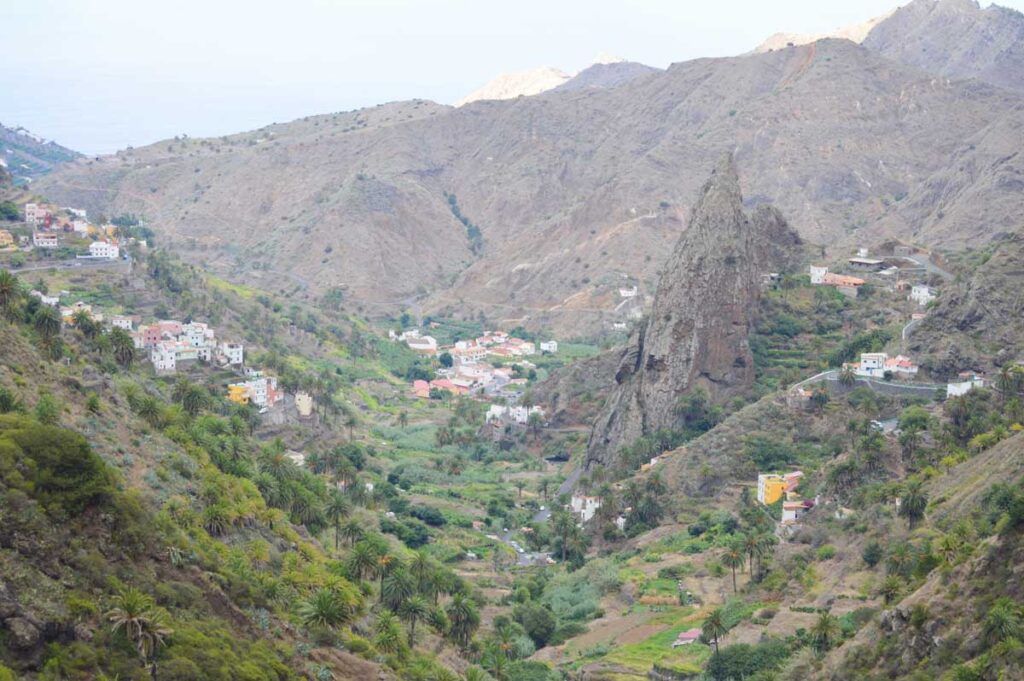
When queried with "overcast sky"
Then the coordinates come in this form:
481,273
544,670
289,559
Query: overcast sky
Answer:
99,75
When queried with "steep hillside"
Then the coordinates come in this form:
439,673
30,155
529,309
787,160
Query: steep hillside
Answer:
955,38
978,322
569,190
29,156
697,335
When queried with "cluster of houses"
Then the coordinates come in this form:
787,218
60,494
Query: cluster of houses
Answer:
472,370
771,487
850,285
48,222
169,344
262,391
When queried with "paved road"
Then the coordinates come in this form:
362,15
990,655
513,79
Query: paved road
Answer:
908,388
73,265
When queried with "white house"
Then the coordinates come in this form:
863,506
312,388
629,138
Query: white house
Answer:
233,353
584,506
922,295
549,346
42,240
628,292
35,213
104,249
122,322
516,414
164,357
80,227
426,345
872,364
968,381
818,274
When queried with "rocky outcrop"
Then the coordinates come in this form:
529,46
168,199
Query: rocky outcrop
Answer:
698,329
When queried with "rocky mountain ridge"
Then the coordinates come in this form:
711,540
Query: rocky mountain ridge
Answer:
574,188
697,334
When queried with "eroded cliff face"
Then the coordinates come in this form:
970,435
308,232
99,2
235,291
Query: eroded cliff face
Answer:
697,332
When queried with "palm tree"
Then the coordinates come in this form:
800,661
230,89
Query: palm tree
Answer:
1003,621
396,588
350,422
423,570
891,588
143,623
949,547
847,376
752,546
389,635
413,610
194,399
464,619
519,485
824,632
564,525
403,419
10,292
46,322
83,321
325,609
542,487
914,503
124,347
151,411
733,558
362,561
714,627
352,531
336,508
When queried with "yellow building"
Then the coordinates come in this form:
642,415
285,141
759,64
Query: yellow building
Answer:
238,393
6,240
770,488
304,403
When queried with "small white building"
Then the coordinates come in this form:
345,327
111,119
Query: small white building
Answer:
628,292
549,346
43,240
164,357
516,414
584,506
425,345
122,322
818,274
922,295
872,364
104,249
968,382
233,353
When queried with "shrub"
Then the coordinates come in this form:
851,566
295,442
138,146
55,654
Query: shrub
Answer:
872,554
826,552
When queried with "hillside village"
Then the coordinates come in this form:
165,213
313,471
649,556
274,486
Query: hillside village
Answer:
467,367
318,426
48,230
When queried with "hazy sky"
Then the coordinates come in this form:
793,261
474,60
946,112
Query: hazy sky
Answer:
98,75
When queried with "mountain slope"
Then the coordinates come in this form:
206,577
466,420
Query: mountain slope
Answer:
517,84
955,38
29,156
697,334
612,74
979,320
569,189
